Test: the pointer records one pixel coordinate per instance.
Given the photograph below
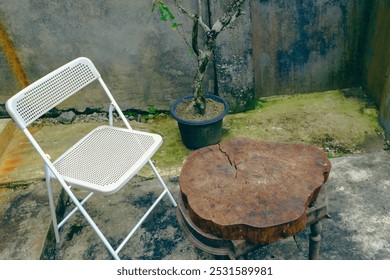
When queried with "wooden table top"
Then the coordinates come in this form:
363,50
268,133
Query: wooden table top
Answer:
253,190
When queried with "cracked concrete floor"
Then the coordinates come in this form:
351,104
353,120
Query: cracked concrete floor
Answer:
358,227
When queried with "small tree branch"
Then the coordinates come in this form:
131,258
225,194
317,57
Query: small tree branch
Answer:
233,11
184,38
203,56
200,8
195,47
183,10
205,27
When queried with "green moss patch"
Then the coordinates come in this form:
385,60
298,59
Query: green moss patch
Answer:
338,123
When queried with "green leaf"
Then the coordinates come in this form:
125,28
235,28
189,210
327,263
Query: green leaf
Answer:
165,13
162,13
169,13
174,25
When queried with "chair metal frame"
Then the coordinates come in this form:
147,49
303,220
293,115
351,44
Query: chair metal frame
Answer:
40,97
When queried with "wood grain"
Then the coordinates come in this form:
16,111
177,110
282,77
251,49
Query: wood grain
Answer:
253,190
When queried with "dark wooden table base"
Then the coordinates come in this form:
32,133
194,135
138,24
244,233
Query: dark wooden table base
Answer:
237,249
244,193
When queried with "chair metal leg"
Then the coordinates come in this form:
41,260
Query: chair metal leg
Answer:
162,183
79,206
51,203
140,222
60,224
166,191
91,222
111,108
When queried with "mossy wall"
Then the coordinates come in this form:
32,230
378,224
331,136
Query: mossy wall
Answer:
377,64
233,59
308,45
276,47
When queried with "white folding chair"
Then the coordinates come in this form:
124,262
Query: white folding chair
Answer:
121,152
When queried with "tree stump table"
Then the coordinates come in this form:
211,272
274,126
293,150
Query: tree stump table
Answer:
241,194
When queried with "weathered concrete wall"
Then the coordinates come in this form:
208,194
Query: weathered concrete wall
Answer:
143,61
233,59
8,83
377,66
7,79
276,47
384,110
308,45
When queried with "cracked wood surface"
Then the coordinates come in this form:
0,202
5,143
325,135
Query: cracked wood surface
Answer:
253,190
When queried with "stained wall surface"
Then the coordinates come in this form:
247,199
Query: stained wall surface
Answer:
276,47
377,64
305,46
142,60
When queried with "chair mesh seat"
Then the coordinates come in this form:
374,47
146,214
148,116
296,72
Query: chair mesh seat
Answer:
106,158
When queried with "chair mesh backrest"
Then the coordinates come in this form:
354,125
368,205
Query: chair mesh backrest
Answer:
49,91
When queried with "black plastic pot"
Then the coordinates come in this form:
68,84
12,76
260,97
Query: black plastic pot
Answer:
198,134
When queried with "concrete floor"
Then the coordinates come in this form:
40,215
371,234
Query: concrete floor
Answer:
358,187
358,227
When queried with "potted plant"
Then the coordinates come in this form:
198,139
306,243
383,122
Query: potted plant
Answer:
199,115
